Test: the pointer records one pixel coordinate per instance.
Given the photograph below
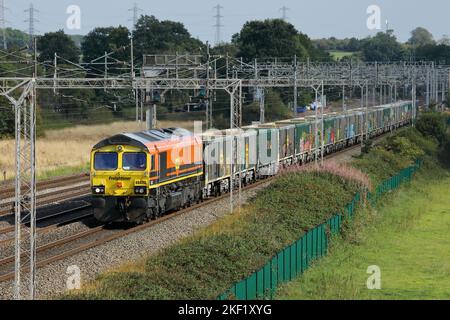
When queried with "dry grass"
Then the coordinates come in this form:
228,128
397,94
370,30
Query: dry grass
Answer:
70,147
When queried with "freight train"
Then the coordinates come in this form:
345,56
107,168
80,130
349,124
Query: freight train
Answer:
140,176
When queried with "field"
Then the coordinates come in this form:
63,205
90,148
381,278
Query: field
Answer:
407,237
66,151
337,55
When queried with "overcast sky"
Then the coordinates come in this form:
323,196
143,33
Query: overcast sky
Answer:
317,18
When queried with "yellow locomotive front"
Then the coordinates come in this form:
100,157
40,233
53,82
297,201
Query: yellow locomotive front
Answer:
140,176
119,182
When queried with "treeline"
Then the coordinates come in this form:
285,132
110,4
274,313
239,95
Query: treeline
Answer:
256,40
385,47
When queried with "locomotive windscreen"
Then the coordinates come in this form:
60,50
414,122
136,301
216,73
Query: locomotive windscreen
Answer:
105,161
134,161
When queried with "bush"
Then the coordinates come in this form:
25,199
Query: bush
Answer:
395,153
7,122
444,154
429,146
432,124
368,144
405,148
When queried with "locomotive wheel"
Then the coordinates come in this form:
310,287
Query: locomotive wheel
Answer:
140,220
159,213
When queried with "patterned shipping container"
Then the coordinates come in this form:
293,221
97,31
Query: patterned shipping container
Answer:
304,136
330,126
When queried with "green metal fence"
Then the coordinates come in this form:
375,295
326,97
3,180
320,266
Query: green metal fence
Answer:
296,258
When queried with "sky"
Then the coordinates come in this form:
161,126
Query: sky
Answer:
316,18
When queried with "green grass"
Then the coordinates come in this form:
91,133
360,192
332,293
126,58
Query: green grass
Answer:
56,173
63,171
407,236
337,55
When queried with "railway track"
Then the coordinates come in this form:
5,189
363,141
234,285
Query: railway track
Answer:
94,237
9,192
99,235
7,209
68,218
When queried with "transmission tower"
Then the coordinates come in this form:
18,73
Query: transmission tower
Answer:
218,24
136,10
3,23
31,24
284,11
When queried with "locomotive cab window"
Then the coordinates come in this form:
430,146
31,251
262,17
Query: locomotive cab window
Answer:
106,161
134,161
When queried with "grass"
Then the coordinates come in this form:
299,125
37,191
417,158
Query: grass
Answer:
337,55
66,151
63,171
407,237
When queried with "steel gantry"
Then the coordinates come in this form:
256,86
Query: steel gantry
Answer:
194,72
25,183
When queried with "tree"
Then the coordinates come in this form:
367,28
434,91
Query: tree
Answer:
354,44
347,44
269,38
275,108
439,53
60,43
432,124
313,52
111,39
421,37
275,38
7,120
382,47
224,49
154,36
445,40
16,39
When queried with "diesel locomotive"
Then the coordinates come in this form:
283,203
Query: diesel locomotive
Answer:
140,176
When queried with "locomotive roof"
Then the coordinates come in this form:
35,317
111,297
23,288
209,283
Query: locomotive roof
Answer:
142,138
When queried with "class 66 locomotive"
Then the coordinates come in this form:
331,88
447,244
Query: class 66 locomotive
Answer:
140,176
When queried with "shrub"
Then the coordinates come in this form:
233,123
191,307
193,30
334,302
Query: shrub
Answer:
444,154
429,146
403,147
432,124
368,144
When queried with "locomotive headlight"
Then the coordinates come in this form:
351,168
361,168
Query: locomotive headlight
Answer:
140,190
98,190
